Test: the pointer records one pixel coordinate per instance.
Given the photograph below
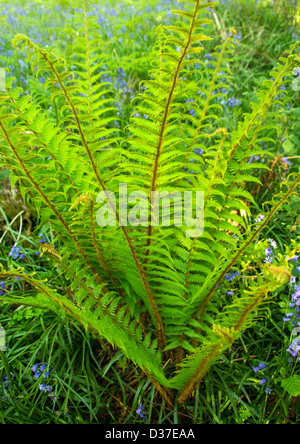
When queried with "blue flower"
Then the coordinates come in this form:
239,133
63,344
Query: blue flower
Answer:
198,151
141,413
140,409
232,102
261,366
260,218
2,286
232,276
35,367
287,161
39,369
272,243
45,388
15,252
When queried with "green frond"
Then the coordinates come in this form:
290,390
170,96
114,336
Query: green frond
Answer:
150,290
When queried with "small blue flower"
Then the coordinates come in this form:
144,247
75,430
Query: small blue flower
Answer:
141,413
43,239
262,381
261,366
35,367
39,369
2,287
45,388
287,161
260,218
140,409
15,252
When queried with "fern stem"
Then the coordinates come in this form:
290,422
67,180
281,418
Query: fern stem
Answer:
162,130
164,392
96,246
197,376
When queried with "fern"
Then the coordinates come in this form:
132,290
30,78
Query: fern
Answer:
150,290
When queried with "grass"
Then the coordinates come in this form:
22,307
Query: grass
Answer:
92,383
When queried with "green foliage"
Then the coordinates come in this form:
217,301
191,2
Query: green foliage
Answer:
292,385
151,291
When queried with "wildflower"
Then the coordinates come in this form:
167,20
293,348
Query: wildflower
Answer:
262,381
233,275
45,388
296,295
15,252
269,255
287,161
268,260
232,102
288,317
39,370
260,218
2,288
140,409
198,151
294,348
141,413
268,391
261,366
6,382
35,367
237,37
43,239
